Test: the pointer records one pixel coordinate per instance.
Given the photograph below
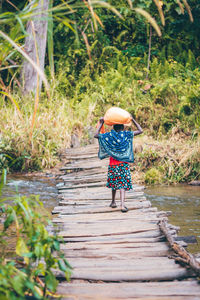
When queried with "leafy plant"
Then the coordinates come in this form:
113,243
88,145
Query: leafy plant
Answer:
153,176
32,271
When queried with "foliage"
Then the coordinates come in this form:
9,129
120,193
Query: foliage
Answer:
174,160
37,252
171,103
115,74
152,176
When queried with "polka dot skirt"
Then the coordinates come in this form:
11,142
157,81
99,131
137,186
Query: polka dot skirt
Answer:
119,177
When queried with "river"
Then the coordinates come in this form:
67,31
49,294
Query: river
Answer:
182,200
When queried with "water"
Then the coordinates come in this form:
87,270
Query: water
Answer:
44,187
184,202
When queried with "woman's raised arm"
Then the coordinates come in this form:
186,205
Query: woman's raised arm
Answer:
101,121
139,128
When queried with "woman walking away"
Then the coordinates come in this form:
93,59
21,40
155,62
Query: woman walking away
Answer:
118,145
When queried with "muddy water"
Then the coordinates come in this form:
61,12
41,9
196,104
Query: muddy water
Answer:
184,202
44,187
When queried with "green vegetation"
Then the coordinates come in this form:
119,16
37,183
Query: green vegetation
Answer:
169,108
152,176
124,63
171,160
37,253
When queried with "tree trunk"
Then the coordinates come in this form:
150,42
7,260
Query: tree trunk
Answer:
35,47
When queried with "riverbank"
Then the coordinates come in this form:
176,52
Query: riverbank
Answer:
166,106
168,161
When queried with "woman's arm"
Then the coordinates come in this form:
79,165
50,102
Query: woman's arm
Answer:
99,128
139,129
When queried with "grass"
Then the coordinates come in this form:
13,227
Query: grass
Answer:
166,106
168,161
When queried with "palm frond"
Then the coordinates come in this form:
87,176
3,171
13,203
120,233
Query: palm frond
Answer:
159,4
188,10
150,19
20,50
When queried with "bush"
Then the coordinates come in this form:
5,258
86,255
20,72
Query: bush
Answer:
37,252
153,176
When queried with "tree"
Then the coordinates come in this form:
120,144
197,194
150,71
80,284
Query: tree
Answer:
35,46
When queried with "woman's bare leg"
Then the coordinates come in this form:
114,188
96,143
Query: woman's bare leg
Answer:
122,198
113,203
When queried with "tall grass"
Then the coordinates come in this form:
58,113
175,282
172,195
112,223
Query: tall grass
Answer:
167,103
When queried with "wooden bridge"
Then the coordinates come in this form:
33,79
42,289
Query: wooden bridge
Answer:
115,255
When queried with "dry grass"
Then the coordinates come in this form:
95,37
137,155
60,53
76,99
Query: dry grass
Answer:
176,158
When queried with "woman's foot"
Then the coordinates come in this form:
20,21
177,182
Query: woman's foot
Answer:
124,209
113,205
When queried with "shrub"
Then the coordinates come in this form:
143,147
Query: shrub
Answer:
37,252
153,176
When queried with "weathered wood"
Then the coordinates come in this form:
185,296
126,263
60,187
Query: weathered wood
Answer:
186,257
136,263
97,190
129,254
64,210
135,235
92,196
132,290
94,203
97,232
122,246
130,275
74,186
106,245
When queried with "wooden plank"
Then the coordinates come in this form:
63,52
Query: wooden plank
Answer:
130,275
140,213
136,263
85,179
81,157
83,166
95,202
132,290
121,246
78,186
65,210
90,195
100,232
129,254
116,237
100,191
115,215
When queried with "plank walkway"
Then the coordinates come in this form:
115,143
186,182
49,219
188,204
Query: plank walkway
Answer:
115,255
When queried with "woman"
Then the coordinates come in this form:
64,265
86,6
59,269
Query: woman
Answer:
118,145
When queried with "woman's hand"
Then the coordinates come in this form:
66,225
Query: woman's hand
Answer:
101,120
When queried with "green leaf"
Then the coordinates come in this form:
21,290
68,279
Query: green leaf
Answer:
9,221
68,274
67,264
37,250
51,282
56,245
21,247
26,56
62,265
18,283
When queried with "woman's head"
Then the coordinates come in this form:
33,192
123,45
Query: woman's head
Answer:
118,127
